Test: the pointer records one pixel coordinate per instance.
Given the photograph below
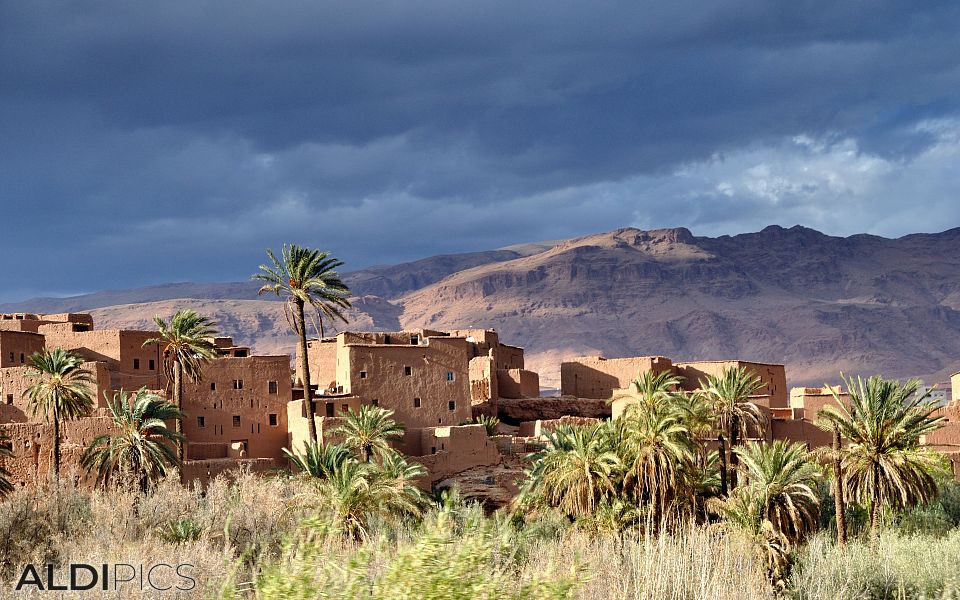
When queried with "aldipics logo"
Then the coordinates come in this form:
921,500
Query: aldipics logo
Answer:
156,577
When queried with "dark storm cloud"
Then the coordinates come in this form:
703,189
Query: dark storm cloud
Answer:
145,142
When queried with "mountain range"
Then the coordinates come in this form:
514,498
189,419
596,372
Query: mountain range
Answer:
820,304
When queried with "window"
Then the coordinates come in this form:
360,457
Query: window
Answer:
345,408
452,405
240,353
201,422
433,449
414,340
238,384
330,409
9,398
236,420
408,371
386,339
363,374
271,387
416,402
213,386
375,402
451,376
153,364
12,357
22,358
136,364
273,419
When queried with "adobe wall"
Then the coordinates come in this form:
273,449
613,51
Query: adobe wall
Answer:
484,385
811,400
447,451
32,447
131,365
517,383
14,381
322,357
773,377
264,390
955,387
598,377
438,377
508,357
802,431
17,346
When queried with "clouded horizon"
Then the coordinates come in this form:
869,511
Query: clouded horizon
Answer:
153,142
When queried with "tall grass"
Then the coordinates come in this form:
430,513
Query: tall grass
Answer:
253,537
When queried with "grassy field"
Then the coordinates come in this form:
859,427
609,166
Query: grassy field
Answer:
271,538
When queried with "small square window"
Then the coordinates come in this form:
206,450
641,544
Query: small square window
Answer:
416,402
236,420
408,371
375,402
271,387
433,449
213,386
238,384
345,407
153,364
136,364
201,422
414,340
12,357
273,419
9,398
452,405
451,376
330,409
363,374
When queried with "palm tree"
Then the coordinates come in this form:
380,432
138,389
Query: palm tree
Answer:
776,506
729,394
576,471
187,343
370,431
142,445
5,486
783,475
358,492
305,276
835,456
653,389
60,390
656,449
883,464
319,461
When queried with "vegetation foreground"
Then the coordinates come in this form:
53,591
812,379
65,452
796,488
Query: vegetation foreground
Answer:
262,537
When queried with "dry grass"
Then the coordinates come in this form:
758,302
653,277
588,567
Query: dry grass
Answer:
253,538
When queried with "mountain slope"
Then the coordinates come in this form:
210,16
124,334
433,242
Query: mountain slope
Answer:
818,303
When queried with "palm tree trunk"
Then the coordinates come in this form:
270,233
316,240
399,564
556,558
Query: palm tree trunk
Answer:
305,370
838,491
178,400
56,444
734,459
874,522
723,464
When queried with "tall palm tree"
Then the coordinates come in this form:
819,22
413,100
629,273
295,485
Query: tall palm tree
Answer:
883,463
5,486
369,431
304,276
187,342
141,446
729,394
576,470
319,461
656,450
61,390
783,475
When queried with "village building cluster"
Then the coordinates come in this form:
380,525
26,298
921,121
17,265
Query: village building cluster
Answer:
247,408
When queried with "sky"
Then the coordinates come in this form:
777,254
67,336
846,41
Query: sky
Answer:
148,142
